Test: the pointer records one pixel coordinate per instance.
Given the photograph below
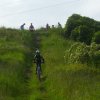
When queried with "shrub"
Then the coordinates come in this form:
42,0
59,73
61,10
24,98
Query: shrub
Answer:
75,34
81,28
85,34
96,37
81,53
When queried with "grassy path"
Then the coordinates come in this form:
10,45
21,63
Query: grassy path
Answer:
37,88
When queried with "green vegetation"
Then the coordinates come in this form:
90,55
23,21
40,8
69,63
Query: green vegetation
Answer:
81,28
67,81
72,66
96,37
80,52
15,50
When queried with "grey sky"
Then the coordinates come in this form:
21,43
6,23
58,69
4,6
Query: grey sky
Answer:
13,13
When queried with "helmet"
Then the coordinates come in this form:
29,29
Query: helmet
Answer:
37,51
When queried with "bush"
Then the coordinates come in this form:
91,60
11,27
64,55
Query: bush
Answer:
75,34
85,34
72,22
78,52
81,28
96,37
81,53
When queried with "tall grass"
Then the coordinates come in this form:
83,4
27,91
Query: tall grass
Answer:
60,80
15,50
66,81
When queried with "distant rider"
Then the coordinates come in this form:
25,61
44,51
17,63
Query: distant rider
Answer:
22,26
47,26
38,59
31,27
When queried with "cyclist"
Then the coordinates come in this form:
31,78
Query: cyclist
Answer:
47,26
38,59
31,27
22,26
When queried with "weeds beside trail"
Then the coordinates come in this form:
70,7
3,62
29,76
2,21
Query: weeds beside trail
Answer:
67,81
18,80
15,61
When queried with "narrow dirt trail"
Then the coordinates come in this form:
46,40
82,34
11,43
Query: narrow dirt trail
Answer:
36,44
39,85
36,41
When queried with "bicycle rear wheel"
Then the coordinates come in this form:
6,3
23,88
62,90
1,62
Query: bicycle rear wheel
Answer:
39,73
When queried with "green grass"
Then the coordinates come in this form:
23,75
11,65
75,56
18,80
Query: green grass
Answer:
60,80
63,81
15,50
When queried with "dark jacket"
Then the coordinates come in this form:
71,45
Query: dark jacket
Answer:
38,59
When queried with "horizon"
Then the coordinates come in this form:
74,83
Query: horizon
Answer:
16,12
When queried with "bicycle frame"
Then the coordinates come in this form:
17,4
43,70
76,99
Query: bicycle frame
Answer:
39,72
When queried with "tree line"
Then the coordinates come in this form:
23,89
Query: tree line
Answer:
83,29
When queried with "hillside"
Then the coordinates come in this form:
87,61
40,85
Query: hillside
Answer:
15,60
71,70
67,81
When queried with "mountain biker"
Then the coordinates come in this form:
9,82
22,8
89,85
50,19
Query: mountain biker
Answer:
47,26
31,27
22,26
38,59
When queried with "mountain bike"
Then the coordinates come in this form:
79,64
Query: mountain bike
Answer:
38,72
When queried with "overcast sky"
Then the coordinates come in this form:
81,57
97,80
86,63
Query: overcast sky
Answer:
13,13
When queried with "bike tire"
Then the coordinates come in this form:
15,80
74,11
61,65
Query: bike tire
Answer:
39,73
